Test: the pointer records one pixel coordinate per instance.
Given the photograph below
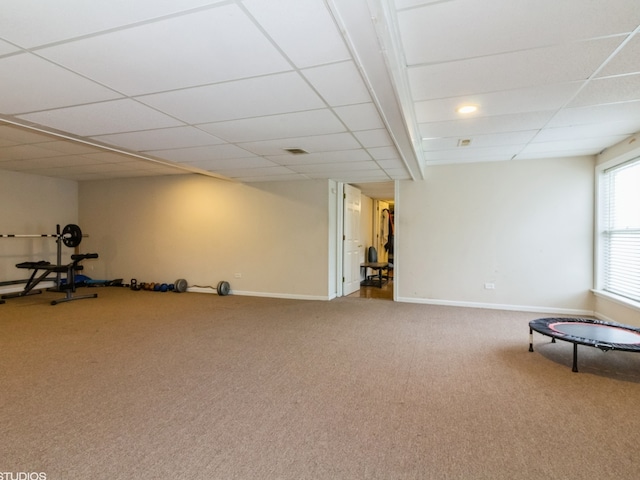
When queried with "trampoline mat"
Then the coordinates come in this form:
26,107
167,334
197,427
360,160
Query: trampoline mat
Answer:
600,333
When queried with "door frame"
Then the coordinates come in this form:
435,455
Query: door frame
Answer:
338,215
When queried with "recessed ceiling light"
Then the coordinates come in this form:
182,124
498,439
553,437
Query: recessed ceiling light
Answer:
467,109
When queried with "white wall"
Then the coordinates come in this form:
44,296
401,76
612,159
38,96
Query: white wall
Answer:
32,204
274,234
525,226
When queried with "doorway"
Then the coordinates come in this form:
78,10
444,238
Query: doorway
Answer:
363,222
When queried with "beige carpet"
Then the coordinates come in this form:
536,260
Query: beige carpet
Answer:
149,385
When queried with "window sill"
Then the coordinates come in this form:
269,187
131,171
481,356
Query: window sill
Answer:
625,302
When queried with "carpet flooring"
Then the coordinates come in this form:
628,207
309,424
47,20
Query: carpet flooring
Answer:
150,385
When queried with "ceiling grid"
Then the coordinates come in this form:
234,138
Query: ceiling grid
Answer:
369,89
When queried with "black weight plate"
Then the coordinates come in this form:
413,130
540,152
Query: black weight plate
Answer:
71,235
223,288
180,285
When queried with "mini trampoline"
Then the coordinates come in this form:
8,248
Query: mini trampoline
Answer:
585,331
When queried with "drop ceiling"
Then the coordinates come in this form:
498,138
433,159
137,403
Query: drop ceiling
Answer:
369,89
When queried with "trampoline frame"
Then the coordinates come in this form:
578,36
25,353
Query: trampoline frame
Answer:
544,327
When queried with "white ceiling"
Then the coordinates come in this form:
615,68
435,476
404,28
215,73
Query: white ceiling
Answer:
369,88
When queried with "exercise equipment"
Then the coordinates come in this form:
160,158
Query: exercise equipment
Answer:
181,285
223,288
156,287
71,235
69,287
585,331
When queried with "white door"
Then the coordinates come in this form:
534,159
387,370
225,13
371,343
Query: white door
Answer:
352,244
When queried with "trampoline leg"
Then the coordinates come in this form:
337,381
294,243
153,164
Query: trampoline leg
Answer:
575,358
530,339
553,340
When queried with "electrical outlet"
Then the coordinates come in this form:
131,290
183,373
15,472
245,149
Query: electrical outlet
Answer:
489,286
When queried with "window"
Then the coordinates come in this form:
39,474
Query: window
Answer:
620,230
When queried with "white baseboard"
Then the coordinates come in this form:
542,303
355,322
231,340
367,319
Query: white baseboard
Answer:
496,306
259,294
202,290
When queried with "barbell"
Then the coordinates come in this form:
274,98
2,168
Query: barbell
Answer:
71,235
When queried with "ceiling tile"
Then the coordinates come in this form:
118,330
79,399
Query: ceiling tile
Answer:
287,92
381,153
401,4
14,135
33,22
548,97
507,71
18,152
318,143
324,157
511,25
592,130
590,145
6,48
248,177
499,153
45,162
587,154
197,154
626,61
365,175
627,111
329,167
37,84
490,140
485,125
211,46
338,84
609,90
255,171
111,157
71,148
305,31
390,163
298,124
360,117
103,118
161,139
374,138
223,164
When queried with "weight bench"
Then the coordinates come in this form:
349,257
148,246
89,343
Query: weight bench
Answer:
46,268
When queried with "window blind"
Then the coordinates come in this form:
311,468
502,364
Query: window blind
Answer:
621,234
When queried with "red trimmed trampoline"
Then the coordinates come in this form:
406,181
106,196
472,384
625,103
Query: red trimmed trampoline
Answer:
585,331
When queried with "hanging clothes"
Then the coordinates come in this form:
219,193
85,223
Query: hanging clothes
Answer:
384,227
388,246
